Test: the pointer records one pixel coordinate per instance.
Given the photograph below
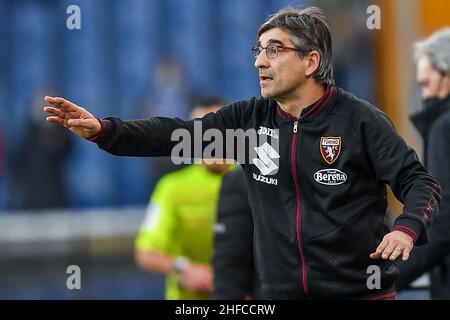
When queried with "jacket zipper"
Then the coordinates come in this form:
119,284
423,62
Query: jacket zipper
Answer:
299,202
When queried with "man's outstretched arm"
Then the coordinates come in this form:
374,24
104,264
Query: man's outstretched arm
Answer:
145,137
152,137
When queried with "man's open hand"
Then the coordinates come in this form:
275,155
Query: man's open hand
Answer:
394,244
73,117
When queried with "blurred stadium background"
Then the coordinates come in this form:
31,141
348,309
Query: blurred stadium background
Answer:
64,202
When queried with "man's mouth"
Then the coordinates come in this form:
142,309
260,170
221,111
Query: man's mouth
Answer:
265,78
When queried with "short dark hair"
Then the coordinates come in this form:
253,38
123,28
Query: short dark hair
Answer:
310,31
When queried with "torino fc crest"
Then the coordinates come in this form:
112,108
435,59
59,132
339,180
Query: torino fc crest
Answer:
330,148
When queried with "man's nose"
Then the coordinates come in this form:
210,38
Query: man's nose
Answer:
262,61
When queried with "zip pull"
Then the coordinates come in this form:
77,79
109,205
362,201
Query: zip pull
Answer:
295,126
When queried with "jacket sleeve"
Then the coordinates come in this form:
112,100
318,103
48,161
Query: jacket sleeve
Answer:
157,137
425,258
234,270
397,165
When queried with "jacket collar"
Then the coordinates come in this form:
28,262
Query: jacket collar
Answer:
327,100
423,120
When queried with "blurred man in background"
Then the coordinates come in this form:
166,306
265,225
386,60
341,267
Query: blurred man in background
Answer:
2,151
38,163
176,237
168,96
2,167
235,276
433,75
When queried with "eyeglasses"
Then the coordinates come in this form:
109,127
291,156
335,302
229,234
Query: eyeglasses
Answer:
271,50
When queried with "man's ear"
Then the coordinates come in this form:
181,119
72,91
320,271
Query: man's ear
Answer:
313,62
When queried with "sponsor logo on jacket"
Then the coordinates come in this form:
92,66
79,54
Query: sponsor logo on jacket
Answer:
267,160
264,179
330,177
330,148
267,163
268,132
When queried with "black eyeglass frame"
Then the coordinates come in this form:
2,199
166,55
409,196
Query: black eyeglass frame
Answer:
257,49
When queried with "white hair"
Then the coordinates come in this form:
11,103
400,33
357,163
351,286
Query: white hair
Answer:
437,48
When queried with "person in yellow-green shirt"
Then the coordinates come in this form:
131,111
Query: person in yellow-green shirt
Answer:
176,237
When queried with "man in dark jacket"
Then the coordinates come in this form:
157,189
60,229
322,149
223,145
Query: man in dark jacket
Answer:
317,161
433,123
233,263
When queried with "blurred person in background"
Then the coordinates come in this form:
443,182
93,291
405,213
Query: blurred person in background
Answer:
170,93
235,276
37,166
2,151
433,122
176,237
2,168
170,96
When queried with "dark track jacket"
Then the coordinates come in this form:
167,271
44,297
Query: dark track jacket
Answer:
234,267
434,126
317,188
